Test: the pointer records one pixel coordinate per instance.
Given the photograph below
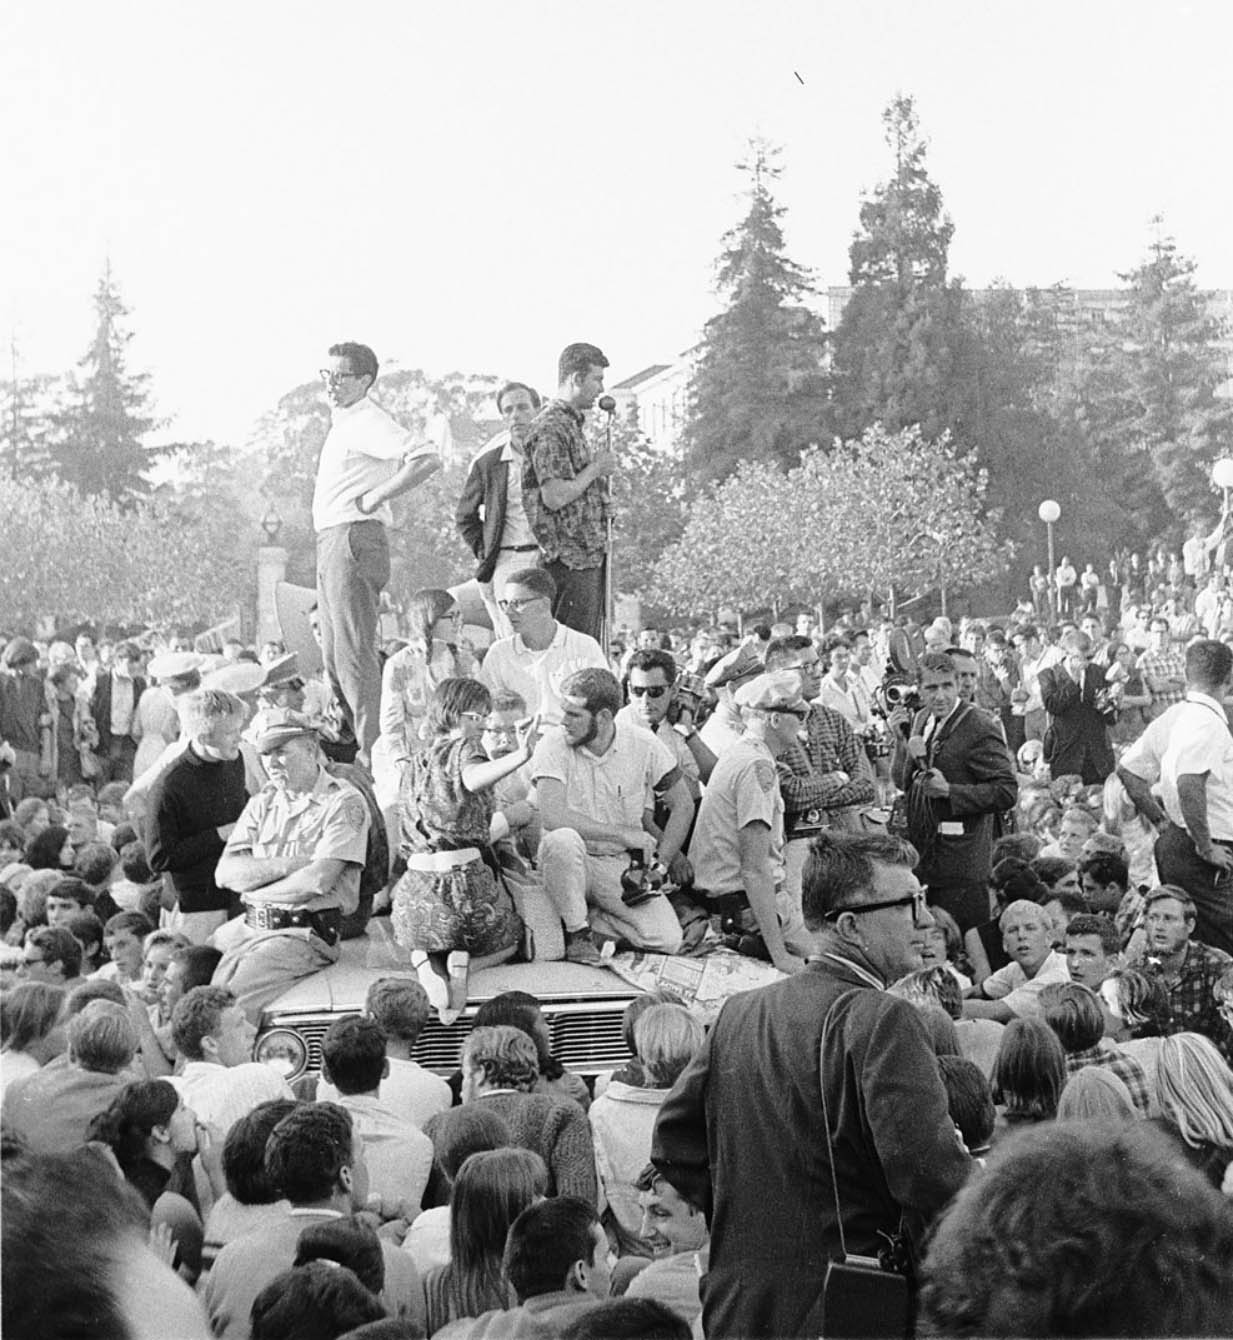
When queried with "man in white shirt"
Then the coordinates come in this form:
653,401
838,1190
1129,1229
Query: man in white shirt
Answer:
220,1081
1013,992
490,516
542,653
368,459
725,726
1034,657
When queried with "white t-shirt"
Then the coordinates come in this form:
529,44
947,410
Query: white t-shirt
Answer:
410,1091
221,1095
537,676
364,447
1012,986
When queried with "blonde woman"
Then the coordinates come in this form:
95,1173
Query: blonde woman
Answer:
1194,1088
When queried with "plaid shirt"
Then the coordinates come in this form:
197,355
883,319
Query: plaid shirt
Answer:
557,449
1168,664
1192,1002
1126,1068
1129,915
832,748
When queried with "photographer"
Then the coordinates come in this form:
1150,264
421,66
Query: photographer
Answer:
660,704
957,774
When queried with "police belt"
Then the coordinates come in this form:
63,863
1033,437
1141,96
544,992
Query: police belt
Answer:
325,923
807,823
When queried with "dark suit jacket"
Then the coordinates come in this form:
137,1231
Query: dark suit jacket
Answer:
969,751
1078,737
480,515
100,707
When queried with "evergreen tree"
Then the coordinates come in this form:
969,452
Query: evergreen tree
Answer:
100,446
24,426
1172,367
759,391
896,347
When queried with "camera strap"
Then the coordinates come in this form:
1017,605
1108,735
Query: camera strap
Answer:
826,1119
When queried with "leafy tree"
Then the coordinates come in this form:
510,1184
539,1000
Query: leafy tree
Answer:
1172,368
99,447
897,342
759,390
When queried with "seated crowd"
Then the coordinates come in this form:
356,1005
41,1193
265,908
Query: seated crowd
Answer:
533,806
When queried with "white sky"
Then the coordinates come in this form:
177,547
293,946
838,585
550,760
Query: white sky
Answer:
472,185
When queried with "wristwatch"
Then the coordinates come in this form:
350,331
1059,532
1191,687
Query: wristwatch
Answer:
686,733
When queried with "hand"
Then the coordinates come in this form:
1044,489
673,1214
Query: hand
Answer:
679,869
529,735
519,814
163,1244
917,747
839,777
637,839
137,1011
1214,854
363,506
935,785
225,831
394,1230
684,716
603,463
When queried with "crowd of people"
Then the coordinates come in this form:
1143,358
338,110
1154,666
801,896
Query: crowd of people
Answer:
990,1085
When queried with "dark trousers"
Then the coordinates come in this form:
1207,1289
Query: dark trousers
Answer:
353,565
580,598
967,902
117,762
1178,863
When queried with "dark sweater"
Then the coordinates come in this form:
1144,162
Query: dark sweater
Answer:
188,804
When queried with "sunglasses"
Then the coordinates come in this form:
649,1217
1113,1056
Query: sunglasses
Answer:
648,690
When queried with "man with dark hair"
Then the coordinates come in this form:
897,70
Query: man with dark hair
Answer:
653,705
315,1158
220,1080
367,460
68,896
77,1260
958,776
51,955
1187,754
1083,1229
595,779
1163,669
1105,883
399,1155
564,492
1080,714
113,708
556,1259
1093,949
1073,1011
877,1125
670,1221
540,653
490,516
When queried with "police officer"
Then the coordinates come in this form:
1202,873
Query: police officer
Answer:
295,857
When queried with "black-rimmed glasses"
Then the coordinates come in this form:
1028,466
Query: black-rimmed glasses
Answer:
520,603
648,690
329,376
914,900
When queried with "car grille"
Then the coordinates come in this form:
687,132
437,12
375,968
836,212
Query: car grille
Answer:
585,1040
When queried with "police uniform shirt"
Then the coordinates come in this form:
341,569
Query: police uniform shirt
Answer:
330,822
744,789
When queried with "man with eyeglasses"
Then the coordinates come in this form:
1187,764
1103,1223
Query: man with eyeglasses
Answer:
490,516
746,1136
368,459
540,653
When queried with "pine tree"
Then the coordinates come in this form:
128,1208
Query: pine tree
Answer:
24,454
1172,367
100,448
759,391
897,342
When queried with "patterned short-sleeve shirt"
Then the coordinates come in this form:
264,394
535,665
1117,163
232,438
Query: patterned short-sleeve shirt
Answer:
556,448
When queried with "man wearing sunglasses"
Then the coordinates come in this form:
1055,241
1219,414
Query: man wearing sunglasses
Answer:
816,1103
368,459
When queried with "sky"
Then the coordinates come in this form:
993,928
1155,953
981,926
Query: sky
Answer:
470,186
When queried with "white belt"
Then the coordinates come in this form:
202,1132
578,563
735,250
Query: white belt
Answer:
434,861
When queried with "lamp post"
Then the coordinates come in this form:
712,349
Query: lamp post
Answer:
1049,512
1222,477
271,569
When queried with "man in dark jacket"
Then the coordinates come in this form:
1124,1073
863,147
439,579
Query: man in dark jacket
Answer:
1080,713
113,705
747,1134
490,516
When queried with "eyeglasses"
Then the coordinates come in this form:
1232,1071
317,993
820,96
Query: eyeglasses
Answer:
329,376
648,690
800,713
916,901
519,603
500,730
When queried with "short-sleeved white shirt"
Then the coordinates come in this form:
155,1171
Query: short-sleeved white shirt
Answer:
1191,737
363,448
537,676
1012,986
615,787
744,789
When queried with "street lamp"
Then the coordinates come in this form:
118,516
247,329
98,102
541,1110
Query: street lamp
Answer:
272,524
1049,512
1222,477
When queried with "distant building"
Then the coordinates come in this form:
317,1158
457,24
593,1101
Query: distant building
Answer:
660,394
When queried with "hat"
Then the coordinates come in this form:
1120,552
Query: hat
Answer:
20,651
739,663
282,668
238,677
777,691
277,726
174,664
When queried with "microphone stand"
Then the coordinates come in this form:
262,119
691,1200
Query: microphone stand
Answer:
608,405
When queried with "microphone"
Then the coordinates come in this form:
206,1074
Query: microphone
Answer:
607,404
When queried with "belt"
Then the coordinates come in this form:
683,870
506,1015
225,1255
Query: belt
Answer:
518,548
1181,828
325,923
433,862
807,823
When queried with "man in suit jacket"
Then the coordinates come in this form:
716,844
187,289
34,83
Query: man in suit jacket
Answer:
1077,740
958,776
113,705
490,516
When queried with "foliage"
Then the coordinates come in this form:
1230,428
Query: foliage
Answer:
98,446
78,558
897,342
759,390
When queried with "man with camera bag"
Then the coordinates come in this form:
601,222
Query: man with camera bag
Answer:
795,1173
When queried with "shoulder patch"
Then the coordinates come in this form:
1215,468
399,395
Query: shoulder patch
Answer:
764,771
353,812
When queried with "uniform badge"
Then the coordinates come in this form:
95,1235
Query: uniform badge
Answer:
765,772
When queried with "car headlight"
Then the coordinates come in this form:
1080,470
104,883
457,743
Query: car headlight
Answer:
283,1050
